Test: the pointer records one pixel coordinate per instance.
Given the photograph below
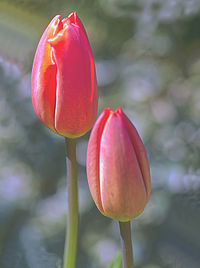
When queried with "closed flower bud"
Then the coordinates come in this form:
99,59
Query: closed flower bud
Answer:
117,167
63,83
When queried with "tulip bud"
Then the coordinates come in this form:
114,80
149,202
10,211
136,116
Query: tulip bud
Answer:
63,83
117,167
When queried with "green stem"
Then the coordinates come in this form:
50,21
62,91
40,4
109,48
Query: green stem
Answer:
72,217
126,244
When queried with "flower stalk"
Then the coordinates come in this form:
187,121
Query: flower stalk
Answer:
126,244
70,250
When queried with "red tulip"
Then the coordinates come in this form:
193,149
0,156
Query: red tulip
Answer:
117,167
63,83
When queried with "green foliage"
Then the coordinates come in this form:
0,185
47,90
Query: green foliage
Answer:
117,261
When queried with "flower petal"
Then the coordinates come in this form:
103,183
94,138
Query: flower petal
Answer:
139,151
43,79
93,158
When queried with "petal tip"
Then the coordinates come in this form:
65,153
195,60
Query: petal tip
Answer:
73,18
57,17
119,110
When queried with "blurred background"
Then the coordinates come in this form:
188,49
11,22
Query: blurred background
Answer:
147,55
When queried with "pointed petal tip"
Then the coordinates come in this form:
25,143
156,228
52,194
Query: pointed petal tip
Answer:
107,109
116,111
73,18
57,17
119,110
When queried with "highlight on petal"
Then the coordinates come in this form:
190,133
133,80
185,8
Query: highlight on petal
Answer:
93,158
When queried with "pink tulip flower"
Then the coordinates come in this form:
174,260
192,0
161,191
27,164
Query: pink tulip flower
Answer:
63,83
117,167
